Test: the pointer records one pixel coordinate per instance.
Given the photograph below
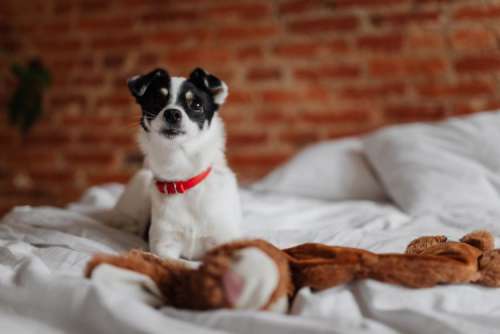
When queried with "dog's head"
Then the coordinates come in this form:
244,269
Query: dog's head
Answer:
176,109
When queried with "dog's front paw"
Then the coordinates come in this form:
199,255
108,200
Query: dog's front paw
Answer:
251,280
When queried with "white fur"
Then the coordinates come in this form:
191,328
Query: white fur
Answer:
207,215
260,276
221,96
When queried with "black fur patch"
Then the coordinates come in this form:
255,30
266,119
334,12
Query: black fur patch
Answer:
206,82
200,97
147,90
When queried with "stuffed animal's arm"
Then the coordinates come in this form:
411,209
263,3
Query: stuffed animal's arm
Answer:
254,274
428,261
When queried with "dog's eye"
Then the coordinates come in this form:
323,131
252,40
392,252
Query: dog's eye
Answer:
196,105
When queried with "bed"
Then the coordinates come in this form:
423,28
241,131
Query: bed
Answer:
376,192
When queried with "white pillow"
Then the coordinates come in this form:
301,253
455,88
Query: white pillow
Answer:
441,167
332,170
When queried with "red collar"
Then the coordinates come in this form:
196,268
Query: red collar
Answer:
180,187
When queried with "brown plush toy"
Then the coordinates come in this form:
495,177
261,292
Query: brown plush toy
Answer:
254,274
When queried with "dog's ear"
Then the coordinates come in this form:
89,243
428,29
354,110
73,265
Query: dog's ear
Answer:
211,83
139,84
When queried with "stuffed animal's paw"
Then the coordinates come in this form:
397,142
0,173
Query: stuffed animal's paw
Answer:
489,267
251,279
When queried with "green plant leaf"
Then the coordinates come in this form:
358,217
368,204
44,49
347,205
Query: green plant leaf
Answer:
25,107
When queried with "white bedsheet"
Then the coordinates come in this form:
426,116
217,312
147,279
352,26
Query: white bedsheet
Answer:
43,252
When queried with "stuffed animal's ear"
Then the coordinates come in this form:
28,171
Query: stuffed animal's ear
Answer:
139,84
481,239
214,85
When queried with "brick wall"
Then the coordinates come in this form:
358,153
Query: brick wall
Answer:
299,71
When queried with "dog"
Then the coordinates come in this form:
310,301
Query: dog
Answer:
187,192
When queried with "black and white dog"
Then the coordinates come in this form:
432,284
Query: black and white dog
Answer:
187,193
186,197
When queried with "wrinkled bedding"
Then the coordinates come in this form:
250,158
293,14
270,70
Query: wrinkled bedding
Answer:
43,250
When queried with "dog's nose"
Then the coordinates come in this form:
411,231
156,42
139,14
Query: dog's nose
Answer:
173,116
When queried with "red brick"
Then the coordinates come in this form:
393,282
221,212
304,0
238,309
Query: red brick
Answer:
145,60
343,71
92,138
317,94
113,61
93,6
405,18
51,138
280,96
55,28
65,100
160,17
125,140
59,45
239,97
409,113
390,67
34,157
263,74
272,116
491,105
257,159
250,53
195,56
337,46
90,121
245,33
101,24
338,4
247,138
7,139
297,50
374,91
298,137
467,88
51,176
115,101
119,42
82,158
239,10
390,42
88,80
418,40
232,115
321,117
294,96
63,65
478,63
300,6
170,36
324,25
339,132
477,12
473,39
